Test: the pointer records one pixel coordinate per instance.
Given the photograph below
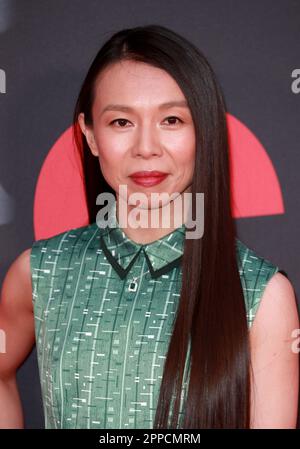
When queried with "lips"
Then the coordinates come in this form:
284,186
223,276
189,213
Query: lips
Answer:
148,178
146,174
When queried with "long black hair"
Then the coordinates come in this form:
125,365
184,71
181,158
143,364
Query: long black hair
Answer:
211,315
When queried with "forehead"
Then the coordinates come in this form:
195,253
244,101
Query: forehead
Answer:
134,81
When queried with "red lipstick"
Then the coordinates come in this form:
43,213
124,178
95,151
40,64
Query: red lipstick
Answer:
148,178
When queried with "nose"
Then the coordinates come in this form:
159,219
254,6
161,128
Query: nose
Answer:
147,143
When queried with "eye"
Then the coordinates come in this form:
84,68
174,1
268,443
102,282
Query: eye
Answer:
172,120
122,122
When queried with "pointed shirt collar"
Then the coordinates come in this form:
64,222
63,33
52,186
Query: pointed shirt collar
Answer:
162,255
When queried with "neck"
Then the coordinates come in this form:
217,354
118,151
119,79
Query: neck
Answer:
152,224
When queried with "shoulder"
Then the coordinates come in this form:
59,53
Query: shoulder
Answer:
278,311
255,273
69,233
52,257
65,239
274,344
16,288
251,262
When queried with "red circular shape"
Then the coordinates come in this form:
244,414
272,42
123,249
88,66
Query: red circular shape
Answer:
60,205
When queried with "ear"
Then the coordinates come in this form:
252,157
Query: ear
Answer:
89,134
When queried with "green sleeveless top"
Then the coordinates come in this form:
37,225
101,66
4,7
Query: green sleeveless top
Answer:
104,308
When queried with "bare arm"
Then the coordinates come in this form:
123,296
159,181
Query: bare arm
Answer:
275,358
16,336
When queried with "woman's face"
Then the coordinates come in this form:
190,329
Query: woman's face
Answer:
141,122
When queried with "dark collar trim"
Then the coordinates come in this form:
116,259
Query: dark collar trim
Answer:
163,270
122,272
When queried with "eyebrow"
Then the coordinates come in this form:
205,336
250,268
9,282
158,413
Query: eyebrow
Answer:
124,108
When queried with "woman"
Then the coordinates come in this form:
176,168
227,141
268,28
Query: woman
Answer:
142,327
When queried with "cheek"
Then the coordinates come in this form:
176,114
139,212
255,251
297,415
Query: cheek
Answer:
182,147
111,147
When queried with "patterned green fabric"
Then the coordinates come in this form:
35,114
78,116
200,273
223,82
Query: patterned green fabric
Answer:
104,308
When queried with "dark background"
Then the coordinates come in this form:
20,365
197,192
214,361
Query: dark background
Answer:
46,48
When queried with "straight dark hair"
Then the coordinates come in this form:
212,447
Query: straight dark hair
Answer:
211,316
